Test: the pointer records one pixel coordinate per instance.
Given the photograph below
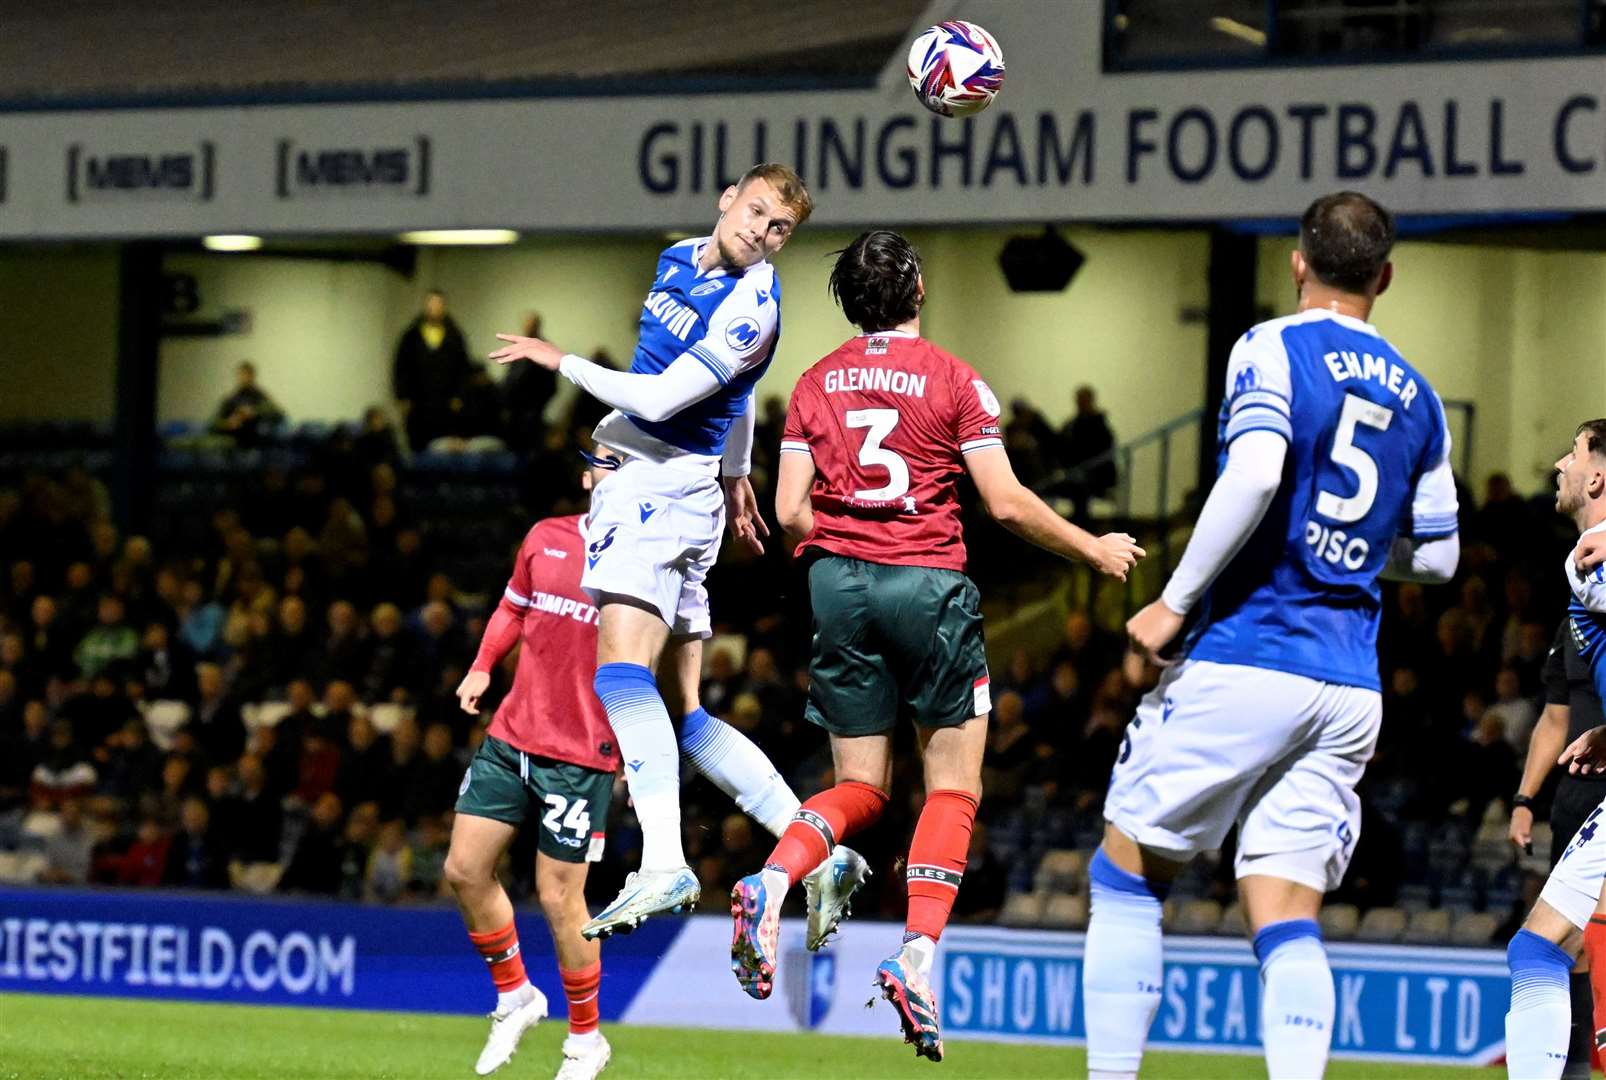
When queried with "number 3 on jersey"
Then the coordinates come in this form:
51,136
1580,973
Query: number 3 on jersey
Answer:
880,423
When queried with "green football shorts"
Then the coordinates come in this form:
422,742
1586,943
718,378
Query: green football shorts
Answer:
505,784
894,642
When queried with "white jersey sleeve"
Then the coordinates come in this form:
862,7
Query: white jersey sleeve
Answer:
742,327
1260,390
1588,588
1435,511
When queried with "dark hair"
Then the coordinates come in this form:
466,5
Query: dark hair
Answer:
1595,435
876,280
1346,238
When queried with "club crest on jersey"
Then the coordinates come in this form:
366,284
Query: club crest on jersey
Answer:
709,287
743,334
876,346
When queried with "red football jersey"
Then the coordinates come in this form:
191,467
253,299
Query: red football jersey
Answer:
888,418
552,710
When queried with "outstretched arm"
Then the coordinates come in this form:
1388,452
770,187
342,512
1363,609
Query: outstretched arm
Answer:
1016,508
655,397
1231,513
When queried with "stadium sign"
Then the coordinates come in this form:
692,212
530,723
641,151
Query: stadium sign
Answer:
1066,140
352,170
97,174
1393,1003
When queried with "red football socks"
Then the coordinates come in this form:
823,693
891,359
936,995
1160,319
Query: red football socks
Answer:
583,989
500,949
937,860
830,816
1595,950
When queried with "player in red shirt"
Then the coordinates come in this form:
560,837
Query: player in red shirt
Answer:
549,753
876,439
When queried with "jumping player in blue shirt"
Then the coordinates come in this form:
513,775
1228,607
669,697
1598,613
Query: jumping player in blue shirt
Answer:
1334,471
683,422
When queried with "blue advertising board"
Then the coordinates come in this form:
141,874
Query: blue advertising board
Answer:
1399,1003
279,952
1392,1002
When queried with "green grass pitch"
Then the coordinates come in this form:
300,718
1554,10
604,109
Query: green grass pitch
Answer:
44,1037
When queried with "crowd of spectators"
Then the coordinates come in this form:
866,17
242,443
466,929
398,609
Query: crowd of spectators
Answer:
266,701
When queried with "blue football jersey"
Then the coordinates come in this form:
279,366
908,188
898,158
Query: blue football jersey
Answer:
729,320
1368,460
1586,616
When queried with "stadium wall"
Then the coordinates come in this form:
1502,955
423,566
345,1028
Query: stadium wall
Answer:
1394,1003
1518,332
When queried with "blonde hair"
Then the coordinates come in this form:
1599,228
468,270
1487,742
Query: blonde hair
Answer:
788,186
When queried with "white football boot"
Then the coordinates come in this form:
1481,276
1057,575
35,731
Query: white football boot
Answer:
507,1028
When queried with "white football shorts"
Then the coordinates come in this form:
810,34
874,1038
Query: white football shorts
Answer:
653,535
1573,887
1278,754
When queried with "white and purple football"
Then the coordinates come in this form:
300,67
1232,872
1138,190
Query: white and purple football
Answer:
956,68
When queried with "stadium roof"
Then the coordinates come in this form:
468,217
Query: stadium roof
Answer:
68,53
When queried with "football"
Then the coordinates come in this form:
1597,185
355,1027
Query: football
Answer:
956,68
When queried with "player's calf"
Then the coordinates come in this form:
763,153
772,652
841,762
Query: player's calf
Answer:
1121,967
1296,1003
1536,1026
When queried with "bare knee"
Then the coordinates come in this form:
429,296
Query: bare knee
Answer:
467,874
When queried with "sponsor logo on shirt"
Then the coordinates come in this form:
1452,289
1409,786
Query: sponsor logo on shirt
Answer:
876,346
677,318
555,553
743,335
709,287
564,607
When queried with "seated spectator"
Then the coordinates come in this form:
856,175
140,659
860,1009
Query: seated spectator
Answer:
345,648
47,642
258,818
112,639
69,850
1057,705
428,858
316,865
165,667
376,442
1011,750
986,882
438,775
200,624
64,774
318,767
390,866
247,415
144,864
1517,714
720,681
392,656
216,722
365,766
128,764
362,829
195,859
